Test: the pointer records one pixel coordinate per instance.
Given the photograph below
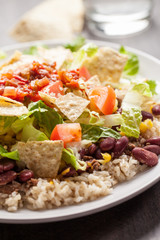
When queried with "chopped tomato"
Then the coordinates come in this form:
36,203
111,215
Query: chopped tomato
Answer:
84,73
10,92
70,78
67,132
53,89
103,98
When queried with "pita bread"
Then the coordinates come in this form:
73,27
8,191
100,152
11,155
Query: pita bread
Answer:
42,157
71,105
9,107
51,19
108,64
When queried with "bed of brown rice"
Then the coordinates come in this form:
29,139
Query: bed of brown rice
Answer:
85,187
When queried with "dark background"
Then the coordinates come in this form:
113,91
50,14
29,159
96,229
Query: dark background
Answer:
137,219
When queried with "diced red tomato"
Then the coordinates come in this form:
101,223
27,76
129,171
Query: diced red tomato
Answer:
70,78
67,132
10,92
53,89
103,98
84,73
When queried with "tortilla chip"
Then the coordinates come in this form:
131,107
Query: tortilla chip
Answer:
71,105
9,107
47,98
42,157
108,64
14,58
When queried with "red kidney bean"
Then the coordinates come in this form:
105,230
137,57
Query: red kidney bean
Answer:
120,146
25,175
92,148
146,115
156,109
145,156
154,141
8,165
83,152
98,154
153,148
107,144
7,177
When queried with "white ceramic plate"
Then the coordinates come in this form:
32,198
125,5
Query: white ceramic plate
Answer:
149,67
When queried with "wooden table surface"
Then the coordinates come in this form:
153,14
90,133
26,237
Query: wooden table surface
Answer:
137,219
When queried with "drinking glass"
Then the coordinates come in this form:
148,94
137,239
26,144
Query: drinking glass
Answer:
117,17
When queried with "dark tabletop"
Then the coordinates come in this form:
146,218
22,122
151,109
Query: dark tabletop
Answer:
136,219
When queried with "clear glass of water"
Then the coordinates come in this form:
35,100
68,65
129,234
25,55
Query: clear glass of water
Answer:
115,18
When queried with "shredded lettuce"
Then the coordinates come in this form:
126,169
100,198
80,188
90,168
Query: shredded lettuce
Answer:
132,65
11,155
30,133
131,113
112,120
90,117
94,133
88,50
131,121
69,158
76,44
152,85
143,89
47,118
6,123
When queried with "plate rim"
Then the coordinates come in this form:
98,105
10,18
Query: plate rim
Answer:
95,209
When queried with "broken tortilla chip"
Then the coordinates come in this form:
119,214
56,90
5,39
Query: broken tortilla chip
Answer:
71,105
42,157
9,107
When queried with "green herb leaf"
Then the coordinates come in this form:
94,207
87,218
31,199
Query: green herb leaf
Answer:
76,44
132,66
94,133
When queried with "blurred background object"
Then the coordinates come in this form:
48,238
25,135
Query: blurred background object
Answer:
51,19
117,17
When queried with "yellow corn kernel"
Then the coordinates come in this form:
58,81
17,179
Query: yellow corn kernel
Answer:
122,133
65,171
51,182
146,125
107,158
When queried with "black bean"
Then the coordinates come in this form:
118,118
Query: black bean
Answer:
98,154
25,175
92,148
156,109
146,115
107,144
120,146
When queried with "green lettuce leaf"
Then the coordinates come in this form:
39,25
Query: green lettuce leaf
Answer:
152,85
88,50
30,133
90,117
143,89
132,65
69,158
76,44
11,155
131,121
6,123
94,133
46,117
112,120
